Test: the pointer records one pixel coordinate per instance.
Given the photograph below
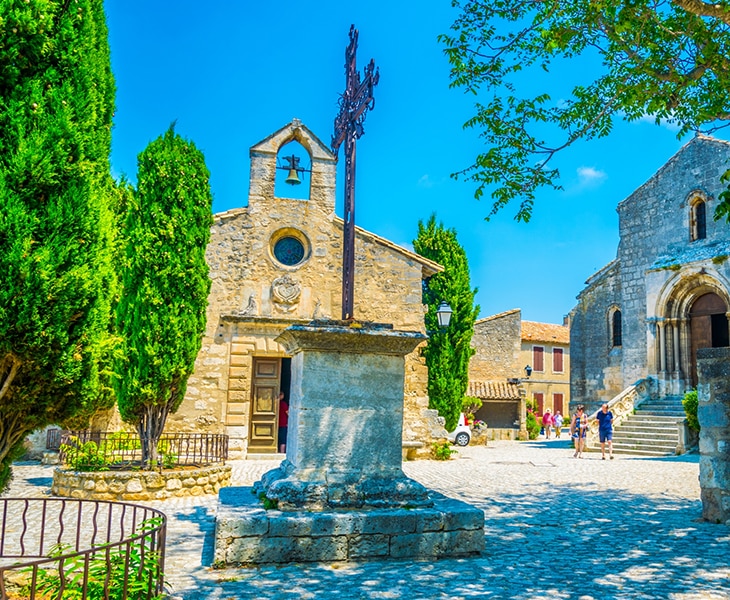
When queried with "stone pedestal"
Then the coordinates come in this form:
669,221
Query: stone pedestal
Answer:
341,493
713,413
344,447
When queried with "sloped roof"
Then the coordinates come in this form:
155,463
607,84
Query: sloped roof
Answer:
429,267
697,139
498,316
494,390
545,332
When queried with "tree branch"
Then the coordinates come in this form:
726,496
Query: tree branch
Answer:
716,10
10,364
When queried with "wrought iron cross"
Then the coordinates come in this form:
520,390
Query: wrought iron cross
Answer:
354,103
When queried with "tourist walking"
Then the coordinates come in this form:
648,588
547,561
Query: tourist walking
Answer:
558,420
578,430
605,430
547,423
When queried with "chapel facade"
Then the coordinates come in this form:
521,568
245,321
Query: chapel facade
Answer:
278,262
645,314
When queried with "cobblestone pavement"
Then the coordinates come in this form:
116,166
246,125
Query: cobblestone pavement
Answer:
556,527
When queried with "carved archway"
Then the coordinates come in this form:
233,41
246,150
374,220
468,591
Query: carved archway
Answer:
692,312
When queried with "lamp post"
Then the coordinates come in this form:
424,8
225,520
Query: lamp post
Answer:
528,371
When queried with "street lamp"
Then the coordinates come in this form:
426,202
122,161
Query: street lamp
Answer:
443,313
528,370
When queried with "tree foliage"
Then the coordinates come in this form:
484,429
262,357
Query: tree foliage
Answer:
663,59
56,107
449,350
162,309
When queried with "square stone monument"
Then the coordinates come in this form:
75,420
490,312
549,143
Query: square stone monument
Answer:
341,493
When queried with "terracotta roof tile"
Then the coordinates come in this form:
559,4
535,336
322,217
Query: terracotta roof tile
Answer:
545,332
494,390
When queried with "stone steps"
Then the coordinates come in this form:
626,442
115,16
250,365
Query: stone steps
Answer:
651,430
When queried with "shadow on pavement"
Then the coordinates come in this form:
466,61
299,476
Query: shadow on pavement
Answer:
565,541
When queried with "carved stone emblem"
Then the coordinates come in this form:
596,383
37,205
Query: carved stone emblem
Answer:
285,292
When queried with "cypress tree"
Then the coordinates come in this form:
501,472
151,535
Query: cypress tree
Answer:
448,351
162,309
56,107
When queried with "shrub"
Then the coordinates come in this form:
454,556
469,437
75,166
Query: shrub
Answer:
470,405
690,402
108,571
533,427
85,457
442,450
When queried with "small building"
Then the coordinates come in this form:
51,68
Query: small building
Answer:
278,262
667,293
515,360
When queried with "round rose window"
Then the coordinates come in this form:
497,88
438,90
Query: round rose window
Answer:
289,251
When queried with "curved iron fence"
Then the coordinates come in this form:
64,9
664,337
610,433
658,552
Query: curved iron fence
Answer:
53,548
123,449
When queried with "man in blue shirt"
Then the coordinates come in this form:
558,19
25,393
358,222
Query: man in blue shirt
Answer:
605,430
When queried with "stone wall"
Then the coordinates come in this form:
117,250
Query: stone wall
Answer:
140,485
595,368
713,414
496,342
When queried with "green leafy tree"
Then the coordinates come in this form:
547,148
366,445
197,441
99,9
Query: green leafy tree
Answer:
165,285
448,351
667,60
56,107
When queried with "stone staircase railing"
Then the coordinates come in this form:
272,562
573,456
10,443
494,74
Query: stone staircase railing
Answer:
622,406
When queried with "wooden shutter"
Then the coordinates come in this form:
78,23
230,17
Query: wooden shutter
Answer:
558,403
540,400
557,360
538,362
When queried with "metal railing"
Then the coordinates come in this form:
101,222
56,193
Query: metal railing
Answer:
52,548
123,449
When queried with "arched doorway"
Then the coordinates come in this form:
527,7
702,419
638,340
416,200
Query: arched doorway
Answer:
708,326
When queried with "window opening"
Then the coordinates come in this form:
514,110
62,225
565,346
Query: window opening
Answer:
616,333
699,221
289,251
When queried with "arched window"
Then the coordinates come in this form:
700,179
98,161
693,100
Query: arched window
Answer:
698,220
616,328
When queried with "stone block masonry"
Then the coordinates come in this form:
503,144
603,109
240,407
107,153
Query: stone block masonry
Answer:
248,534
713,413
132,486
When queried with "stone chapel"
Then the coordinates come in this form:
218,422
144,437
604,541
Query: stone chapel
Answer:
278,262
644,315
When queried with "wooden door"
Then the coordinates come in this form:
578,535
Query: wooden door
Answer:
264,405
708,327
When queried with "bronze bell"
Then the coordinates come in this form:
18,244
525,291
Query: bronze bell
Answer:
293,177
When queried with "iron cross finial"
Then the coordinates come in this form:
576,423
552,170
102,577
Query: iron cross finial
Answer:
354,103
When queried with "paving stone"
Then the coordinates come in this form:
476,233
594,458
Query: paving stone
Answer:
629,528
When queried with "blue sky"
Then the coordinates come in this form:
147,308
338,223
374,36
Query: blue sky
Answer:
232,72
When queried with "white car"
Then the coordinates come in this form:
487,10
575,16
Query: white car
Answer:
461,436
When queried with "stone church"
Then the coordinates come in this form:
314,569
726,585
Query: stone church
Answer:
644,315
278,262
